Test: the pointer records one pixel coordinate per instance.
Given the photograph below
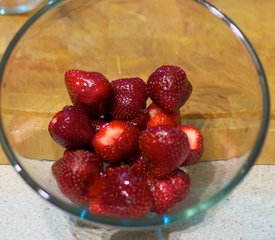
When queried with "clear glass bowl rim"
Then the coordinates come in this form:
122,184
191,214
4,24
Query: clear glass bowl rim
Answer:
163,220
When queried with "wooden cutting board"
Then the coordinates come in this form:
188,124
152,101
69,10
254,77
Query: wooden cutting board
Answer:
253,16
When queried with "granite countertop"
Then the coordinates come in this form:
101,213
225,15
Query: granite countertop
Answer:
247,213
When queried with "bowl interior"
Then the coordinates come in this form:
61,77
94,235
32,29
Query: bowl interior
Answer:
131,38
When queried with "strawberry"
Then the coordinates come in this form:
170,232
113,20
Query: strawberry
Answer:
169,88
71,128
163,195
141,120
116,141
74,172
89,89
164,148
133,158
195,140
139,167
97,123
157,117
120,193
181,182
169,190
94,190
129,99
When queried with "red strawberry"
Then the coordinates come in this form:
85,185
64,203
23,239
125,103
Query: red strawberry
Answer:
164,148
195,140
157,117
139,167
163,194
116,141
74,172
129,99
133,158
121,194
141,120
99,182
169,88
97,123
90,89
168,191
71,128
181,182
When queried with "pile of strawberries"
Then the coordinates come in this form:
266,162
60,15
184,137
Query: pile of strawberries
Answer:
123,158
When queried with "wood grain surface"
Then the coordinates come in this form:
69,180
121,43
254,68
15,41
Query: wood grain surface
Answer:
254,17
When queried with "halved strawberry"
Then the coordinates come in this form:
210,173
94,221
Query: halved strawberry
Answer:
89,89
195,140
158,117
71,128
129,99
169,87
164,148
169,190
74,172
116,141
121,194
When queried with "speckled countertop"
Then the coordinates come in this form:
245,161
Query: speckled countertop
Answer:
247,213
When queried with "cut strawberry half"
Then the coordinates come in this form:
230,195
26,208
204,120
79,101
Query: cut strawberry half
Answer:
164,148
75,172
158,117
195,140
120,193
71,128
89,89
116,141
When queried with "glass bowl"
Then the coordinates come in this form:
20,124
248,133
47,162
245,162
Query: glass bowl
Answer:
124,38
18,6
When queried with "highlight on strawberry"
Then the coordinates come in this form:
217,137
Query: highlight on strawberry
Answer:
125,146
